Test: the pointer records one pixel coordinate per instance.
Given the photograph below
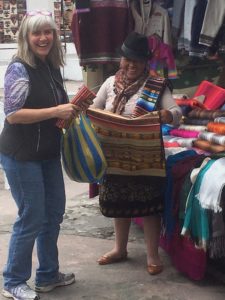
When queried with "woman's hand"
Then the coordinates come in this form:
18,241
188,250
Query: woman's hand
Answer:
67,111
166,116
70,111
84,104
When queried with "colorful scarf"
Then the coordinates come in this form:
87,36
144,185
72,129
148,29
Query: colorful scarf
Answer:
150,96
124,89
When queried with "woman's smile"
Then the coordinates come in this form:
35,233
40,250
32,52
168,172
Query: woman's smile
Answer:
41,42
133,68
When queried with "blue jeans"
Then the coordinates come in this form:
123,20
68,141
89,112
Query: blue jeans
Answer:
38,190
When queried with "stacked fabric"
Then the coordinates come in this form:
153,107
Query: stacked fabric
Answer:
183,136
213,139
199,115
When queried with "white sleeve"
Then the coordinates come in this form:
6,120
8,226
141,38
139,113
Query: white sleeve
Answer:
213,20
167,102
102,95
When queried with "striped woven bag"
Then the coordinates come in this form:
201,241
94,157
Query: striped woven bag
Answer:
82,155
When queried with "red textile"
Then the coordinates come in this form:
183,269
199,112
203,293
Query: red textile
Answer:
193,103
185,256
214,95
97,34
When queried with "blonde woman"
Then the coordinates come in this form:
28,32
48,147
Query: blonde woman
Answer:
30,155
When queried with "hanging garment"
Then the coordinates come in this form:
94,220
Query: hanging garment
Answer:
197,49
177,18
162,59
213,20
151,18
196,221
99,32
211,187
185,36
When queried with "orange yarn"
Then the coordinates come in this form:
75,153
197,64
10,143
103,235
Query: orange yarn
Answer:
216,127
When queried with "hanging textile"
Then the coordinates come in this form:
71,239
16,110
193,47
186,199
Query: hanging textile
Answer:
98,32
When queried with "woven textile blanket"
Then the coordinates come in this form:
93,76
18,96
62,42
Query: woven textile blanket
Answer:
131,146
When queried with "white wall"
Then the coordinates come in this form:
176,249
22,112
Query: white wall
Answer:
40,4
71,71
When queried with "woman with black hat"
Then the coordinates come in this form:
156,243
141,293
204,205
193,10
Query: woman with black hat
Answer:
119,94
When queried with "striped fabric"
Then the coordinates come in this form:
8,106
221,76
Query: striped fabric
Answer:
196,121
205,114
193,127
131,146
212,137
82,155
220,120
208,146
83,94
151,94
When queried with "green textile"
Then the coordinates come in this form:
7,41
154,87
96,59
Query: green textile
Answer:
196,221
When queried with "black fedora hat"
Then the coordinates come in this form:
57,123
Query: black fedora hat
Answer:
135,46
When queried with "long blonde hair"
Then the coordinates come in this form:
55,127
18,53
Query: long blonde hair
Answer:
32,23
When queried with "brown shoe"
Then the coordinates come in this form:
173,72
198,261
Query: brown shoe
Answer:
154,269
111,259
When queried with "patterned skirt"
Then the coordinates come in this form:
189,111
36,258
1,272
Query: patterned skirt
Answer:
131,196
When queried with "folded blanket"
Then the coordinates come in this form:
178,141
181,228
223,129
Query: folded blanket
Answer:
212,137
184,133
214,95
206,114
208,146
216,127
